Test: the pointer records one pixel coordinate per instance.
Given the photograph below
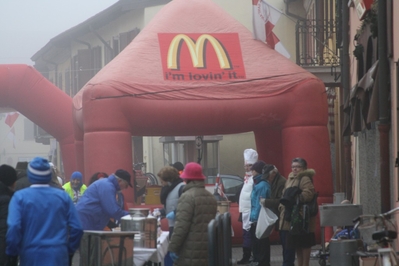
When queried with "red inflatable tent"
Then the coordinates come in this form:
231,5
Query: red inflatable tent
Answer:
195,70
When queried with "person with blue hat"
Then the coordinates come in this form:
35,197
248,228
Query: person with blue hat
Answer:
75,188
43,225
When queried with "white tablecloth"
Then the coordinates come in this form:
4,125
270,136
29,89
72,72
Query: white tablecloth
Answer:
142,255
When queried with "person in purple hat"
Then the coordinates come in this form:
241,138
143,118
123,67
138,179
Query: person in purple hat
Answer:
195,209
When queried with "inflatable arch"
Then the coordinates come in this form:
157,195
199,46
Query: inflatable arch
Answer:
24,89
203,74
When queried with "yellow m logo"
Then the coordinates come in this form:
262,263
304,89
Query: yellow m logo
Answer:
197,51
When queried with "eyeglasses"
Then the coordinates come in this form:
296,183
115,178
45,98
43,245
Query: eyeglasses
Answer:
296,166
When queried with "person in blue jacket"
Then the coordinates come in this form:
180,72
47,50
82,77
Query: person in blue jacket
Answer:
98,204
261,190
43,225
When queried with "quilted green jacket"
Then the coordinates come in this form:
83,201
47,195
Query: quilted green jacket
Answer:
195,209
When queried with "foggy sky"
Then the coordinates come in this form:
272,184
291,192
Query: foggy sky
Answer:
28,25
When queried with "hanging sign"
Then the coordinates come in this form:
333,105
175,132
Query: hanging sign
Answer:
362,7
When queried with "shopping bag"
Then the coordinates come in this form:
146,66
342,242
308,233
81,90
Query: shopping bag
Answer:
299,219
265,224
313,206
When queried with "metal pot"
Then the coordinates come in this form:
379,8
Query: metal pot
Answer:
139,212
130,223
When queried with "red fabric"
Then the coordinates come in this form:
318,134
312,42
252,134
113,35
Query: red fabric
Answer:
24,89
137,71
11,118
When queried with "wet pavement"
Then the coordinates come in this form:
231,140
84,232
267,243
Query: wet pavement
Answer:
276,256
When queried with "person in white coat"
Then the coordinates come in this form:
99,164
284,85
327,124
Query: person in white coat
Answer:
244,203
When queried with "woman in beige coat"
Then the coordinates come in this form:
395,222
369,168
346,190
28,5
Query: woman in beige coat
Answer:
299,177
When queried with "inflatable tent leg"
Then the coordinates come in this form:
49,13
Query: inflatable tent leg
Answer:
112,150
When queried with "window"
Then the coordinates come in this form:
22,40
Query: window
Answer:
29,132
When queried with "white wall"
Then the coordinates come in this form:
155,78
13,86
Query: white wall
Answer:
24,150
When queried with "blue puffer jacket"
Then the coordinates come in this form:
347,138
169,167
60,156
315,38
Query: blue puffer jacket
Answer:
261,189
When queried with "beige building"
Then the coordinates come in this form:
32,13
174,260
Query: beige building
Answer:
373,78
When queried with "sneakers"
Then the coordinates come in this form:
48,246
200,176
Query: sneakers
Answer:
243,261
315,254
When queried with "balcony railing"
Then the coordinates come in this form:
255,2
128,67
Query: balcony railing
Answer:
316,43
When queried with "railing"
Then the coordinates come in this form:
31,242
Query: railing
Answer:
316,43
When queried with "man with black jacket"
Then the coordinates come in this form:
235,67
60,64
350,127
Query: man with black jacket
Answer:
277,184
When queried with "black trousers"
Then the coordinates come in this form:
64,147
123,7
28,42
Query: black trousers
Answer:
260,248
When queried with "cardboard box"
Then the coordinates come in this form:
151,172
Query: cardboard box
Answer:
152,195
368,261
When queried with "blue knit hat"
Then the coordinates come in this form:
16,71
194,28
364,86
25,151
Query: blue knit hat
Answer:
77,175
39,171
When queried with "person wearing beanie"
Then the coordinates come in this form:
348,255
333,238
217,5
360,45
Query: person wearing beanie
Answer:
75,188
23,180
8,176
99,202
196,207
43,225
261,190
179,166
244,204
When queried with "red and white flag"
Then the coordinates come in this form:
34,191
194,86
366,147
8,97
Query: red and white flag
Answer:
264,18
10,120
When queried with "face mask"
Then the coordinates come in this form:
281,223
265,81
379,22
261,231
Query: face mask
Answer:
248,173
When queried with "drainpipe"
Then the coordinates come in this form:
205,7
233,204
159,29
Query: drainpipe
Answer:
345,81
383,102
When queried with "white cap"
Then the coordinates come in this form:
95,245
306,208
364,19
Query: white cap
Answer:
250,156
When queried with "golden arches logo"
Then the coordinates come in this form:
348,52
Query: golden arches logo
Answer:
197,50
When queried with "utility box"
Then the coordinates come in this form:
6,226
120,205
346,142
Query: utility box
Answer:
339,214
